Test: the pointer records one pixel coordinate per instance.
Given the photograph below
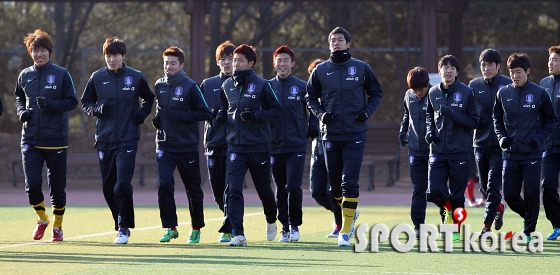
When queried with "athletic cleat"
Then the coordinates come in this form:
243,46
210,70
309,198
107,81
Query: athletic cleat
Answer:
334,233
195,236
448,217
483,231
271,231
294,234
238,240
343,240
284,236
57,235
499,220
225,238
554,235
456,237
528,239
122,236
168,235
353,224
476,202
39,231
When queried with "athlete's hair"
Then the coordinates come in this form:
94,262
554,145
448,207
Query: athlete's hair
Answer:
248,51
175,51
314,64
418,78
114,45
341,31
554,49
286,50
449,60
224,49
490,56
38,40
518,60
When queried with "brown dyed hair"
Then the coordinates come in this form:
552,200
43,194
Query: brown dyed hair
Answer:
38,39
224,50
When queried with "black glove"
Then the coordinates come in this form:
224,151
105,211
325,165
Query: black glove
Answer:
402,139
326,118
444,110
505,143
429,138
312,133
42,102
221,117
25,116
534,143
156,122
362,117
215,112
139,119
249,115
98,109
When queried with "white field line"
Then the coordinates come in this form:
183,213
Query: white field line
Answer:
113,232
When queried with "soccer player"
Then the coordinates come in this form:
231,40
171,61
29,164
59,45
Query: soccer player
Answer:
215,137
289,143
248,104
319,185
343,93
488,155
523,119
413,133
112,95
44,95
180,106
551,160
450,118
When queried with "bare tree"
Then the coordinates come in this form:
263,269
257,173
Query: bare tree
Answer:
68,28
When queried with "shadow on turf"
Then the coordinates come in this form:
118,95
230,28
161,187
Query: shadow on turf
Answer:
175,258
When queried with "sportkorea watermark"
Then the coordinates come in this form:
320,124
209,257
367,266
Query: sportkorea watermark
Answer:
428,234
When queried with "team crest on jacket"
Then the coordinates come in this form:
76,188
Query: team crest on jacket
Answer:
352,71
24,148
101,155
178,91
477,155
232,157
504,163
50,79
210,162
529,98
411,160
271,160
251,88
128,81
457,96
328,145
294,90
159,154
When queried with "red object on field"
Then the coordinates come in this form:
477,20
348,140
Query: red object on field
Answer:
508,235
460,214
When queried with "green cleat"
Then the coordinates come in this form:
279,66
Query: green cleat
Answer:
195,236
456,237
225,238
169,234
